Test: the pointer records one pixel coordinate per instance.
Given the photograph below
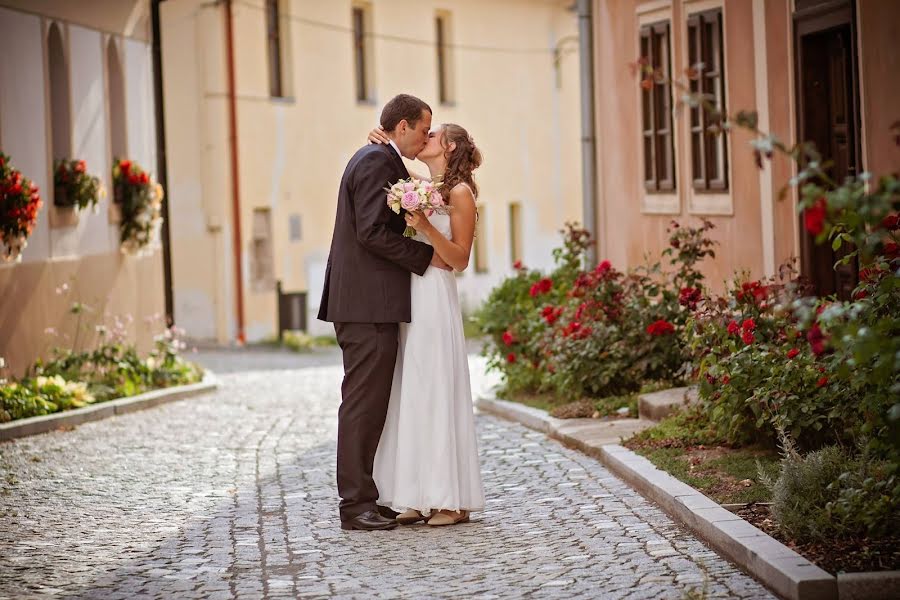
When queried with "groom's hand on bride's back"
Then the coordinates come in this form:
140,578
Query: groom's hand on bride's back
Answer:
437,261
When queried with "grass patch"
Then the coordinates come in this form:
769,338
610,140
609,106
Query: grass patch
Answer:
727,475
471,329
686,446
685,428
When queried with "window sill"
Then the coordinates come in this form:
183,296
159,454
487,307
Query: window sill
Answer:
710,203
663,203
282,99
448,104
366,102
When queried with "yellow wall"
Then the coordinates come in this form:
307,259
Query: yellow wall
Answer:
293,151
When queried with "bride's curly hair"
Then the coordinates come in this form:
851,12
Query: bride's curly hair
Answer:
461,161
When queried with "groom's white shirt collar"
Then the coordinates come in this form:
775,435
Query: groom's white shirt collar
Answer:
392,143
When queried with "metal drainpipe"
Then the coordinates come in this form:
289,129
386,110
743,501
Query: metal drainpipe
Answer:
235,180
588,139
162,173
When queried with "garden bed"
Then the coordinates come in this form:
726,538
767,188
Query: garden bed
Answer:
852,555
686,446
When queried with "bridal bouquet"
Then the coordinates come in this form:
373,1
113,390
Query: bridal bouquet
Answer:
414,194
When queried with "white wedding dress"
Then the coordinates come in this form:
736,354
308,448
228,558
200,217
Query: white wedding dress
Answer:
427,457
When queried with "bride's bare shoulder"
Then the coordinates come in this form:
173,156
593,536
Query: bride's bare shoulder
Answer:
461,192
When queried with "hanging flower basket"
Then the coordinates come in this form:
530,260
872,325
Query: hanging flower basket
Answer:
140,199
74,187
19,205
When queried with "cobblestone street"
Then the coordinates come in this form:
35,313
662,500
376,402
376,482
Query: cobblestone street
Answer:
232,495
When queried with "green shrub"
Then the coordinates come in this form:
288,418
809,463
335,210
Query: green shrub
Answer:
830,493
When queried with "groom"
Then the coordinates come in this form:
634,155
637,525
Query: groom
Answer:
366,296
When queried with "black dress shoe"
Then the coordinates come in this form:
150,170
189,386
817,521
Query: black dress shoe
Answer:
386,512
369,521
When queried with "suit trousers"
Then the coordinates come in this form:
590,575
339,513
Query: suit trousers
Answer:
370,351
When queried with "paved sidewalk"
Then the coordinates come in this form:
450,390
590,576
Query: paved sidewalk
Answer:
232,496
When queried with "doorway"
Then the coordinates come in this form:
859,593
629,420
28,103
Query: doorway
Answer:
828,115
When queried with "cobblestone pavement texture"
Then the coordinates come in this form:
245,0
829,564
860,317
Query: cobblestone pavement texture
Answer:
232,495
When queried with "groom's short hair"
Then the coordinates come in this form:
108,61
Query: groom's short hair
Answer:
402,107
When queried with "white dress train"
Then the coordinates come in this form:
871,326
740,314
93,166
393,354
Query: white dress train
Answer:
427,457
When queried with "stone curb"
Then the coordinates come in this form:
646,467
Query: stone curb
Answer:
772,563
659,405
70,418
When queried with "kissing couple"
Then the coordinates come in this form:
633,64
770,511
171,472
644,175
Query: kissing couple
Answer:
406,447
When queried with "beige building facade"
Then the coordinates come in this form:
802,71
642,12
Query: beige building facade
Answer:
96,58
262,115
812,69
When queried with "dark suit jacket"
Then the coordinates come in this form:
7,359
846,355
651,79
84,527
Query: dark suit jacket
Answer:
368,273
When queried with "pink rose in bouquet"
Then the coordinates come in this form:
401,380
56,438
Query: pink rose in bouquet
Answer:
414,194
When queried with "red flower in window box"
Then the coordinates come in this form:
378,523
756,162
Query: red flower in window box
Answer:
74,187
140,200
20,202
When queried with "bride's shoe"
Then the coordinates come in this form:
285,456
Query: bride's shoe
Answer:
410,516
448,517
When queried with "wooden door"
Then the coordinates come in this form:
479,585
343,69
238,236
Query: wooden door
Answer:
828,115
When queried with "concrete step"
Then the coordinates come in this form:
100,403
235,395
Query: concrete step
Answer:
658,405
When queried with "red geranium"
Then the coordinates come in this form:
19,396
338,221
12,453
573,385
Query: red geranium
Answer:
748,325
603,268
792,353
822,382
541,287
814,216
816,339
747,337
508,338
660,327
891,222
551,314
518,265
752,291
511,358
891,250
733,327
689,297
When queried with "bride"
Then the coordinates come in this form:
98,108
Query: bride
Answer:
426,466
